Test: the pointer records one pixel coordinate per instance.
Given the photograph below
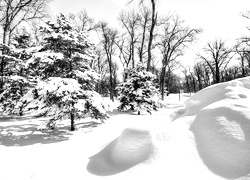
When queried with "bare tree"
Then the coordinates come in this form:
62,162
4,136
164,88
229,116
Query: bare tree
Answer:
198,72
83,21
173,65
217,58
173,40
230,73
243,51
130,21
247,16
101,67
125,52
151,31
190,83
186,83
202,74
108,43
137,27
144,25
14,12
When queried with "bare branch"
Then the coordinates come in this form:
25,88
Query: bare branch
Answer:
219,57
14,12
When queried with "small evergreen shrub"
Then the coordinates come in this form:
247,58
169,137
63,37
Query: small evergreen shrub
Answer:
138,92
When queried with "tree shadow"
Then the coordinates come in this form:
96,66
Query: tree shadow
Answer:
118,112
13,118
133,113
28,134
88,125
174,106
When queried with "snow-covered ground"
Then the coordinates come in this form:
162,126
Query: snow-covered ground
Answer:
207,137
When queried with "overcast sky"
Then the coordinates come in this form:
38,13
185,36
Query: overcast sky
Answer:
218,18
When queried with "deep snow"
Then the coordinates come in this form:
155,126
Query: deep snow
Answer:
207,137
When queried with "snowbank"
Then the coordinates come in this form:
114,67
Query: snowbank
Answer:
236,89
221,127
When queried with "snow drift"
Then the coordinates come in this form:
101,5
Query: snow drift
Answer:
132,147
221,127
211,135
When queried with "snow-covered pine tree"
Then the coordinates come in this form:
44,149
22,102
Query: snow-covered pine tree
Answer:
138,92
66,87
14,88
13,82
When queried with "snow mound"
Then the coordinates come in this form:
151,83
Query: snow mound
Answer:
132,147
235,89
221,127
222,134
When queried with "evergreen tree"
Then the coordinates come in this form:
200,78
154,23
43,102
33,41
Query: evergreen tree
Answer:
138,92
67,82
14,88
14,83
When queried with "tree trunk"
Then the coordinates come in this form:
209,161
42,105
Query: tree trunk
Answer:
5,35
2,74
243,67
217,74
194,85
115,84
151,34
133,54
72,121
142,42
188,85
199,81
111,88
162,82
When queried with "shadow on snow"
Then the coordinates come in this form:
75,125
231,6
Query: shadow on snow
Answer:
13,118
28,134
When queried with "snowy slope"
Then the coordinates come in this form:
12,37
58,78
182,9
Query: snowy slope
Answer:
206,138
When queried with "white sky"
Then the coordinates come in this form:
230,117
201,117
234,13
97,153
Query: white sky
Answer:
218,18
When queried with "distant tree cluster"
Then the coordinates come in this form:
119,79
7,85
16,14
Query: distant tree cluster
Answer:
218,63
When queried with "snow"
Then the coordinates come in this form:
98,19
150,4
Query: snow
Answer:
205,137
44,57
132,147
86,75
86,57
59,85
17,78
10,58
